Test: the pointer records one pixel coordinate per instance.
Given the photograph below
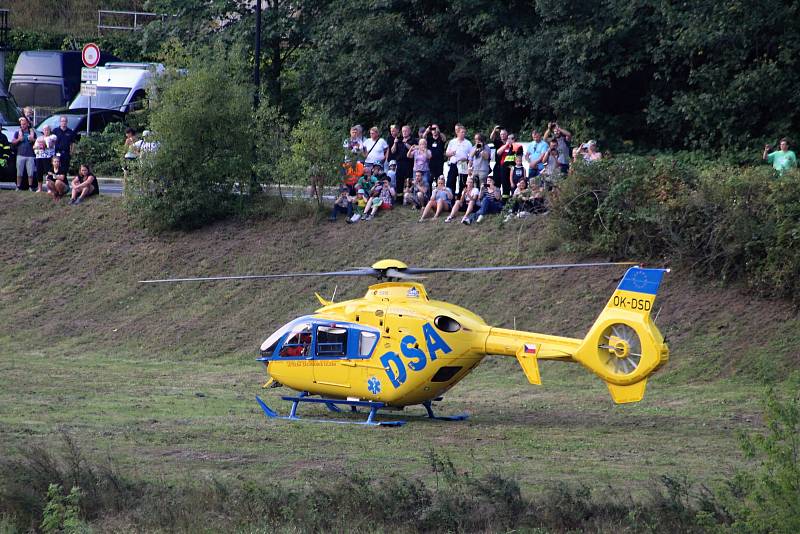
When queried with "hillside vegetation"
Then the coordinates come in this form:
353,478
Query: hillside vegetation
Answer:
160,380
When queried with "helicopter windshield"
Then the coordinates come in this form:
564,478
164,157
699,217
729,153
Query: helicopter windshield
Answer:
308,337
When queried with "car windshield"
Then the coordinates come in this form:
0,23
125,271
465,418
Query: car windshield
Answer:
53,122
107,98
9,115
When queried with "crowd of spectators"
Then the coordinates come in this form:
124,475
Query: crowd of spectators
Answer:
477,177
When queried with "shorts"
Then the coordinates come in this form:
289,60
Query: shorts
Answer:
26,163
386,205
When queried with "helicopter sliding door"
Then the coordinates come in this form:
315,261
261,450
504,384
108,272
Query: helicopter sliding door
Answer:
336,348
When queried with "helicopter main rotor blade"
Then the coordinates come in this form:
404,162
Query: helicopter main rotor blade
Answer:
423,270
402,275
355,272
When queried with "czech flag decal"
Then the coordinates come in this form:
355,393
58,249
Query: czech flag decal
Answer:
530,348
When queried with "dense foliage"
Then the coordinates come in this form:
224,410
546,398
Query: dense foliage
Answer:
202,169
727,222
679,75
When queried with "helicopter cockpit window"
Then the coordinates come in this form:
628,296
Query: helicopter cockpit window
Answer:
331,341
298,341
366,342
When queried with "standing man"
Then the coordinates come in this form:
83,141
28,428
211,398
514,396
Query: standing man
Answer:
782,160
562,137
26,160
65,142
436,144
499,138
458,150
533,154
399,153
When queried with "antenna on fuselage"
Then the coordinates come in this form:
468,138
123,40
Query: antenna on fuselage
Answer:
333,297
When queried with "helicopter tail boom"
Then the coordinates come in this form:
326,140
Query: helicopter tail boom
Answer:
623,347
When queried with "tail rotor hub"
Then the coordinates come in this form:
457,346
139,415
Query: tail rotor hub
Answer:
620,349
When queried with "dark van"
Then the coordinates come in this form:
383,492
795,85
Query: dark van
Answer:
48,78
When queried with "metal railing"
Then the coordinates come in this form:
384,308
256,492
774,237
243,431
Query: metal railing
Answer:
125,20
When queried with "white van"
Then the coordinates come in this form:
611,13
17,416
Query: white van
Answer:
121,86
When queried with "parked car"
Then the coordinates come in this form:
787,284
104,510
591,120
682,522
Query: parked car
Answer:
48,78
121,86
76,119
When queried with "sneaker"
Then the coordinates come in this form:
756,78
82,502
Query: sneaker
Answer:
71,201
523,214
348,221
78,200
448,219
466,221
507,217
479,219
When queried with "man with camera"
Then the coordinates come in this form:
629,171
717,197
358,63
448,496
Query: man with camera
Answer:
562,137
479,159
436,144
399,152
533,154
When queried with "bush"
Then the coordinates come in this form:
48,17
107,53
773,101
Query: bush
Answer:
202,169
731,223
102,151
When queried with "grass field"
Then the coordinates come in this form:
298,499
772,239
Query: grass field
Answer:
162,379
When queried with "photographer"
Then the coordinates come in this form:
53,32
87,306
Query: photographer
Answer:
355,143
342,204
562,138
782,160
399,153
436,144
421,157
374,149
381,197
479,158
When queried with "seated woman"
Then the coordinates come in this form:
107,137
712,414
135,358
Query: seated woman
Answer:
468,200
441,199
381,197
57,185
489,202
84,185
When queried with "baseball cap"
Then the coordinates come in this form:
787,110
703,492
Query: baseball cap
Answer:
393,162
361,192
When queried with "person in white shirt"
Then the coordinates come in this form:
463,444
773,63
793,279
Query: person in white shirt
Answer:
374,148
458,153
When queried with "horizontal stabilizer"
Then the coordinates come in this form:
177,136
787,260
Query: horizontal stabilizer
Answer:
526,356
625,394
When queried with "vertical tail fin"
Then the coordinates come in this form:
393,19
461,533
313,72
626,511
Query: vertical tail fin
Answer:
624,346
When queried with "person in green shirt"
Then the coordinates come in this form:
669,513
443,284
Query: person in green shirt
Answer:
782,160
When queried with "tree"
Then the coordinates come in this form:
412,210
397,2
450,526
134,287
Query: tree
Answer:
201,170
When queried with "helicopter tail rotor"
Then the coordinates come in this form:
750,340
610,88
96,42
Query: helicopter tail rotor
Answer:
624,347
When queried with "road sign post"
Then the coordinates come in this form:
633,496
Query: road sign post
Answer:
91,57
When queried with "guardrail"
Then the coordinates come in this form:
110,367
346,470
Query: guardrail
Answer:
125,20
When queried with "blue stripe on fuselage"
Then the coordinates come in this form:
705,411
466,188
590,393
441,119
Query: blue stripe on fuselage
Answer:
642,280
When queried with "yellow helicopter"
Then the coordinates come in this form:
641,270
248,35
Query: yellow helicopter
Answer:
396,347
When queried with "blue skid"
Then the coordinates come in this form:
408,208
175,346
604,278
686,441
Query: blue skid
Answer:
331,404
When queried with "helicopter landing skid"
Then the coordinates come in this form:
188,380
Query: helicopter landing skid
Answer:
429,409
331,404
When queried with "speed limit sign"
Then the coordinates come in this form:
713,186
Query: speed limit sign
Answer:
90,55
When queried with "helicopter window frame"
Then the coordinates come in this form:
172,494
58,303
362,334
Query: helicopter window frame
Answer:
335,344
298,329
352,344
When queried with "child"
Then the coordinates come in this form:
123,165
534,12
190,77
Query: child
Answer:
342,204
382,197
517,173
359,204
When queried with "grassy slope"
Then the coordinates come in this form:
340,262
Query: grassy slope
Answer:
163,378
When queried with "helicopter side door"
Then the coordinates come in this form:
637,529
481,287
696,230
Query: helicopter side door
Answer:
335,348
